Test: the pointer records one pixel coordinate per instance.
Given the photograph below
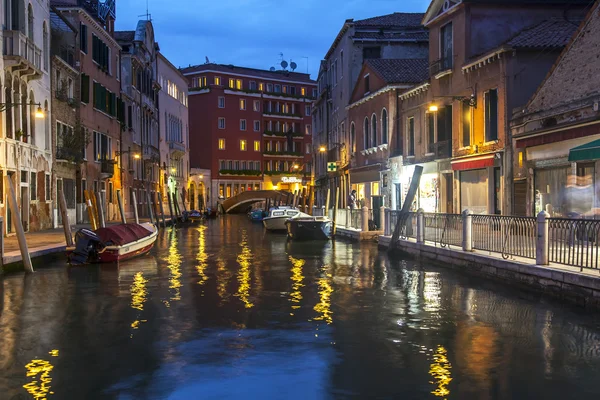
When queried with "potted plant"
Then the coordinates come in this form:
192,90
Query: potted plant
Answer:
18,134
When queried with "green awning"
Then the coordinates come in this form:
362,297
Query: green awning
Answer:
586,152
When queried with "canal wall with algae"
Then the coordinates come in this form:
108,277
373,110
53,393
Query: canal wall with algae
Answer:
562,282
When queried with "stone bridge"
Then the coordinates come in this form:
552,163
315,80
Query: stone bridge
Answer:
239,203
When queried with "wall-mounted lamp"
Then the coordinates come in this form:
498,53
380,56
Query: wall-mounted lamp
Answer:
470,100
39,112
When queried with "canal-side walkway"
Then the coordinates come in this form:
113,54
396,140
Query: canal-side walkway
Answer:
580,286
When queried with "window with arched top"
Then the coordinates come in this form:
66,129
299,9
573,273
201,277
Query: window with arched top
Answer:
352,138
366,132
374,130
384,126
30,22
46,53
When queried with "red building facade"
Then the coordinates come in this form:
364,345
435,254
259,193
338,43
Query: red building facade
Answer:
250,127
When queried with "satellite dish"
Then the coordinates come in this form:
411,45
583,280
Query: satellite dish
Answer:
272,69
293,66
284,64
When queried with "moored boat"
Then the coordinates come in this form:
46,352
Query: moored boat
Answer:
257,215
112,244
309,228
195,216
275,221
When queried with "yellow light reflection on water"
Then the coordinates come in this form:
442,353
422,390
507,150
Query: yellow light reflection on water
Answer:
440,371
39,371
244,259
324,305
202,257
173,263
139,295
223,277
297,279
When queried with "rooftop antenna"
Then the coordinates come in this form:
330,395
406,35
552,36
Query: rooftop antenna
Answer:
147,15
306,64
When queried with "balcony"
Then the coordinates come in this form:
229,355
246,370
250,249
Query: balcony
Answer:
440,67
176,148
107,168
100,9
64,154
62,95
282,134
283,153
151,153
21,55
443,149
282,114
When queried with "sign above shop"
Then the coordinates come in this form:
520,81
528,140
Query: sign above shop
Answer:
332,166
291,179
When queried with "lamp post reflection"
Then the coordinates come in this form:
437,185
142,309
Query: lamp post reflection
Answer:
39,371
297,279
174,263
323,307
440,371
202,257
244,259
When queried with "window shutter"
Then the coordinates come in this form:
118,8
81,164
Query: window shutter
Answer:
85,88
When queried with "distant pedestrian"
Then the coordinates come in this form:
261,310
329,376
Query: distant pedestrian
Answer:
352,200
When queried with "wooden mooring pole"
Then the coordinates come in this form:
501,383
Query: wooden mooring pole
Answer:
121,209
135,210
100,210
14,207
410,197
65,219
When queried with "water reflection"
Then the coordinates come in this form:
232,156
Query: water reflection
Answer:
440,371
138,296
297,279
223,277
174,260
244,260
323,307
202,256
39,371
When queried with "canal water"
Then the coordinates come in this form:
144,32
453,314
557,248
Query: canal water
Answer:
225,310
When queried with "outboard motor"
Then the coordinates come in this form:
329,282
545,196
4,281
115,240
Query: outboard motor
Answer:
87,247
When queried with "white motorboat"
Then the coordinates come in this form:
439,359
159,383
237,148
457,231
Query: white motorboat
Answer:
275,221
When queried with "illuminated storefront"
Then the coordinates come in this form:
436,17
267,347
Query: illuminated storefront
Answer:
427,196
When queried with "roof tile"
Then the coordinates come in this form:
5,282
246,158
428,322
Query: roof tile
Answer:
392,20
554,33
409,70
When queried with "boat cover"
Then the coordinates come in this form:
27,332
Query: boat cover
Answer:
122,234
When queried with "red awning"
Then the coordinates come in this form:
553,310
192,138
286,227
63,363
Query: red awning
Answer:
473,163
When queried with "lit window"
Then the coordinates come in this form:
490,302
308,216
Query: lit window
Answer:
257,105
308,149
221,144
242,124
243,145
261,86
221,102
218,80
257,145
238,84
231,83
242,104
308,130
221,123
256,126
285,89
303,91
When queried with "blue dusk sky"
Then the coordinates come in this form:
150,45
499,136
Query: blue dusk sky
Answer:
252,33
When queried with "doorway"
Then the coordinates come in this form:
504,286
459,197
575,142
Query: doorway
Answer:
25,208
449,192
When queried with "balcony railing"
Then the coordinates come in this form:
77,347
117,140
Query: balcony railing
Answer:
107,167
176,146
16,44
281,133
440,65
283,153
443,149
151,153
282,114
63,153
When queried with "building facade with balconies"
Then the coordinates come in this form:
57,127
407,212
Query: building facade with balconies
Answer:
251,128
373,115
174,133
25,145
392,36
140,159
68,137
486,58
100,110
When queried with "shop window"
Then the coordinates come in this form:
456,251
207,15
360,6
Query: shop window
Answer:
474,191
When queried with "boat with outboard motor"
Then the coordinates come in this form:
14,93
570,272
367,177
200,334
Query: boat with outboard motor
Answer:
309,228
275,221
112,244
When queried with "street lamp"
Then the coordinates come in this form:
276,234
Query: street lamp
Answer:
433,108
39,112
322,149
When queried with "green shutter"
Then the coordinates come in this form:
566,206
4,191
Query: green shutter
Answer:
85,88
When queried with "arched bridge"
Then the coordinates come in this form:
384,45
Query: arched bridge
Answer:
240,203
